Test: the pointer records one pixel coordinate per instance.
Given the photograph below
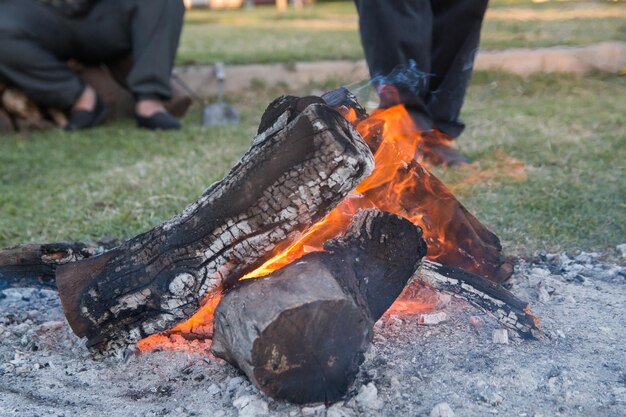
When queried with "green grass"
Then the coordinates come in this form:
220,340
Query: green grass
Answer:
330,30
568,133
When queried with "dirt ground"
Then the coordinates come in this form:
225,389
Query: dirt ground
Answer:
579,369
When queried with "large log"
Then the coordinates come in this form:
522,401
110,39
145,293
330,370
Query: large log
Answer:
297,170
300,333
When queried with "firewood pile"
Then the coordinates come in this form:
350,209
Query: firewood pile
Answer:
19,113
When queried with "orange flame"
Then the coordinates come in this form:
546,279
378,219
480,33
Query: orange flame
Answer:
399,147
399,184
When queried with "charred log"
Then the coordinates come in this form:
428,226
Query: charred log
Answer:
36,264
300,333
296,171
486,295
469,244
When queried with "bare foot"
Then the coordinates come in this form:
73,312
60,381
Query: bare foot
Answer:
148,108
86,101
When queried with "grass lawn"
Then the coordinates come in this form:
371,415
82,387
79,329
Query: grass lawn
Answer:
549,170
329,30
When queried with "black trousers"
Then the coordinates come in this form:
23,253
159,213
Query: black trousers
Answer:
36,41
440,37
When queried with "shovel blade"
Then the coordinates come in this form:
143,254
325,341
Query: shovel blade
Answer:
220,114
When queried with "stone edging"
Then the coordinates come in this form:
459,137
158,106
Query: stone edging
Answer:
606,56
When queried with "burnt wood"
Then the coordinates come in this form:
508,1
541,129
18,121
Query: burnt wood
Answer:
472,246
486,295
468,244
35,264
300,333
295,172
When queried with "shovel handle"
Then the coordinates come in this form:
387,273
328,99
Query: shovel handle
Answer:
220,76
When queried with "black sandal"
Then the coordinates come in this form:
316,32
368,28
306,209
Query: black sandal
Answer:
85,119
161,120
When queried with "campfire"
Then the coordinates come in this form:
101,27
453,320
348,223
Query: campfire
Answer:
287,263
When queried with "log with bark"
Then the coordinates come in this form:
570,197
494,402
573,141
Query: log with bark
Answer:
300,333
35,265
303,163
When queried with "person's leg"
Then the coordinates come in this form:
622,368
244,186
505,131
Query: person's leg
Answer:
394,34
156,32
456,36
148,30
35,42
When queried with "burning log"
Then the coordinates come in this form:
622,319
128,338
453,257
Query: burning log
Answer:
401,185
300,333
302,164
486,295
454,235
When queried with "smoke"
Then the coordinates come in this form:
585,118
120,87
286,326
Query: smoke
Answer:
407,78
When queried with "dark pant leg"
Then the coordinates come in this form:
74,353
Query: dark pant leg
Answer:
34,44
456,34
393,33
148,29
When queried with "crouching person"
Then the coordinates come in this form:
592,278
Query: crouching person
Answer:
38,37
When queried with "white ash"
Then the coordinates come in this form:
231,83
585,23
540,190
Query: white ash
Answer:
251,406
442,410
367,398
429,319
500,336
578,370
319,411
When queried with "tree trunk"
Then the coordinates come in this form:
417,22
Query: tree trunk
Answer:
296,171
300,333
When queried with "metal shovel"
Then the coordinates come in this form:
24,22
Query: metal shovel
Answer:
220,113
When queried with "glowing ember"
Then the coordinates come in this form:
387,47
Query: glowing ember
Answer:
401,185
